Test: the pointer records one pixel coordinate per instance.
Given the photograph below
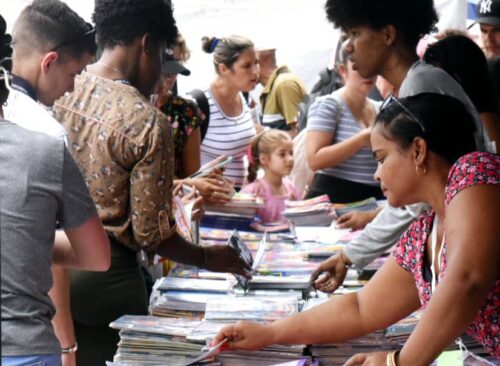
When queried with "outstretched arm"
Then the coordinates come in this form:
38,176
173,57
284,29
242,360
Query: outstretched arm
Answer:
339,319
377,237
473,262
217,258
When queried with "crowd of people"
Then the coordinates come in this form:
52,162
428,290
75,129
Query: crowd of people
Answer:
95,142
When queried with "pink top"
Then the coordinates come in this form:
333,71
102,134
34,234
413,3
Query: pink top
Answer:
470,170
273,205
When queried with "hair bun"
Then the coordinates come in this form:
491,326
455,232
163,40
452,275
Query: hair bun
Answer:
209,44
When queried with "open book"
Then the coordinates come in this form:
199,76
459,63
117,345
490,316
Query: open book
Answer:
211,166
315,211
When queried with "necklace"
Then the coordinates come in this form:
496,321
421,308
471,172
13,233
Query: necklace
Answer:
114,69
109,67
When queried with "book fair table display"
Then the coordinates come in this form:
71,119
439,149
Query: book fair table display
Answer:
189,306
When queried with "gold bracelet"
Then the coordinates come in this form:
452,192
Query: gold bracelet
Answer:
391,358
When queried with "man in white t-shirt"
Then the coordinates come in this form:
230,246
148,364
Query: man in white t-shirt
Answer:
51,45
46,58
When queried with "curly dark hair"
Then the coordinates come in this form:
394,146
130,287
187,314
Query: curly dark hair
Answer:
5,61
120,22
412,18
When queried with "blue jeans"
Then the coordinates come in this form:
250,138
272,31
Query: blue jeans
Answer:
36,360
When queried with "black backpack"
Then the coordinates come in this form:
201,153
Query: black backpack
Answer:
329,81
202,102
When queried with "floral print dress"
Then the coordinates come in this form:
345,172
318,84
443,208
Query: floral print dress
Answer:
473,169
185,117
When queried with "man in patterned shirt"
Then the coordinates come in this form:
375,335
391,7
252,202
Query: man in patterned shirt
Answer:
124,148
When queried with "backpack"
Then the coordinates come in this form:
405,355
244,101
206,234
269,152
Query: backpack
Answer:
202,102
329,81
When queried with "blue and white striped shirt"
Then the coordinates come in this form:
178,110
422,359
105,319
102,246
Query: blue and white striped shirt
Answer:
361,166
228,136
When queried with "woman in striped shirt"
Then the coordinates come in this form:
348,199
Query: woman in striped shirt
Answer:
231,127
338,140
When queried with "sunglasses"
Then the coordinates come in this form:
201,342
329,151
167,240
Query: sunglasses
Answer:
80,37
390,100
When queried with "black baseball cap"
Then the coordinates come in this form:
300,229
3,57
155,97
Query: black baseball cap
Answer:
488,12
170,65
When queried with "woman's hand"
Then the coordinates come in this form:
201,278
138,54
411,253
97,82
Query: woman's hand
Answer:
365,133
213,188
356,220
198,210
368,359
245,335
333,272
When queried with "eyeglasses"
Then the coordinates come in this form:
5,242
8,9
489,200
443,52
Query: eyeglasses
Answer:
393,100
70,40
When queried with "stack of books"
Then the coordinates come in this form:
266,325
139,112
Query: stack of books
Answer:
312,212
263,309
368,204
241,204
185,297
238,213
149,340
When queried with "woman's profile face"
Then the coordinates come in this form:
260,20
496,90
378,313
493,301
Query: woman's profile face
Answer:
395,169
245,71
366,50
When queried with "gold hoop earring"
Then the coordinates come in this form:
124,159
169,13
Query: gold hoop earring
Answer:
418,167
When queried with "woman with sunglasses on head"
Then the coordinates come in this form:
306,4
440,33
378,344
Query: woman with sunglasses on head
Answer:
448,261
338,139
382,40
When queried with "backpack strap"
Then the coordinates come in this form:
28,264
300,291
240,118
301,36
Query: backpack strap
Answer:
202,102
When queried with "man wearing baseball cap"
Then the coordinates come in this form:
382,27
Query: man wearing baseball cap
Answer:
488,17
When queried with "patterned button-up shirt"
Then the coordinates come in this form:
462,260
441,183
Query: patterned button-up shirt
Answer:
123,146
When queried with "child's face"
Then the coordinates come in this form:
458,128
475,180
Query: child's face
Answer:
281,160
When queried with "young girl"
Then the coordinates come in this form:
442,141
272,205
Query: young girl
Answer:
273,151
